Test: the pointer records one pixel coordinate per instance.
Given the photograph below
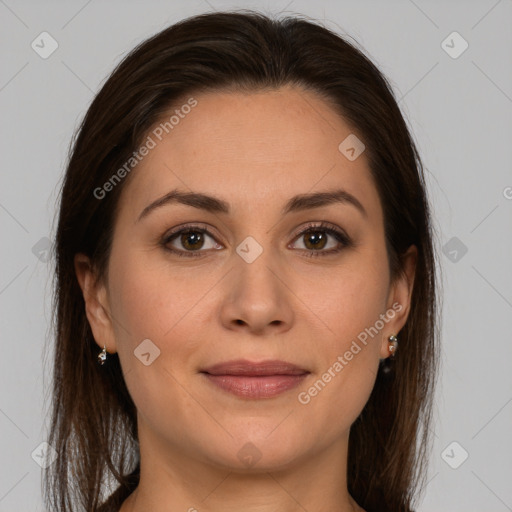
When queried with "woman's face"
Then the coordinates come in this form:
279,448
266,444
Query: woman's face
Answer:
254,287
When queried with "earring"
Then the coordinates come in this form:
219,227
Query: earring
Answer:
387,365
102,356
393,345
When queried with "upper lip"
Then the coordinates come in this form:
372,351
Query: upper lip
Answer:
250,368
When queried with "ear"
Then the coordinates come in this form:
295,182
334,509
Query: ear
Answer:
97,306
399,298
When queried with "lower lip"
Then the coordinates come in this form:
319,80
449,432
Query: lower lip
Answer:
266,386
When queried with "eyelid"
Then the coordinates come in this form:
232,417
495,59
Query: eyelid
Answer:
193,226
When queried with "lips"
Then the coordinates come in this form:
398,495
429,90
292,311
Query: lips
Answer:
265,368
253,380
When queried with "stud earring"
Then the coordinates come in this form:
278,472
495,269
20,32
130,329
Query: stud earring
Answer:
102,356
393,345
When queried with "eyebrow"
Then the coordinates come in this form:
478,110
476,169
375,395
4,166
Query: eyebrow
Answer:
215,205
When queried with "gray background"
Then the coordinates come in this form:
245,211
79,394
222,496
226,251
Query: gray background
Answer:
460,112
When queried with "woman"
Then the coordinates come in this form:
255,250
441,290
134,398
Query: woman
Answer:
245,282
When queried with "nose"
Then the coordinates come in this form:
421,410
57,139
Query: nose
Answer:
257,298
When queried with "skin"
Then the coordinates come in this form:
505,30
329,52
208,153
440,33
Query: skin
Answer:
254,151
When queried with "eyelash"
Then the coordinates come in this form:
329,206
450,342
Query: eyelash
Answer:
325,227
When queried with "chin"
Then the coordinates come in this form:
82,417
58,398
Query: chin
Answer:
260,450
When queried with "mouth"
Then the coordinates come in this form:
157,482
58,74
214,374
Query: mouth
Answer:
253,380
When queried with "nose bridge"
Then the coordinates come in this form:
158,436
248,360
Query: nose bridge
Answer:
253,268
257,297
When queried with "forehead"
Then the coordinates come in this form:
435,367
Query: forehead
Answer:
249,148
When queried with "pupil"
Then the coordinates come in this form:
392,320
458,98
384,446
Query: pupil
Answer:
316,238
191,240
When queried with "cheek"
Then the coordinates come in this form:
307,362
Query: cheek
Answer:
350,303
149,302
348,298
153,299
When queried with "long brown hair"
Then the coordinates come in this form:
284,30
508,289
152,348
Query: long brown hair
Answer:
93,421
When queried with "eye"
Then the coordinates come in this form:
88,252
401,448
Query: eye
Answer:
322,239
190,241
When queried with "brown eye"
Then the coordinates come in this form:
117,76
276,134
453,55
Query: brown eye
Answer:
192,240
323,239
315,240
